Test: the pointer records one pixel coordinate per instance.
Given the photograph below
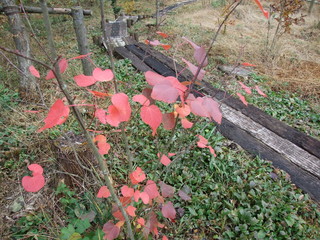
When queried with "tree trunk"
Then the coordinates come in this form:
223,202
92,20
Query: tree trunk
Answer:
311,6
22,44
81,33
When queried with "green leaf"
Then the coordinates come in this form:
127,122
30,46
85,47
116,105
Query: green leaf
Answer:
82,225
290,220
67,232
75,236
261,234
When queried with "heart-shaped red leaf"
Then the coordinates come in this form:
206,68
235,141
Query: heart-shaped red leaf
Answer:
63,64
84,81
152,116
137,176
33,184
111,231
166,190
131,211
103,192
34,71
102,75
57,115
168,210
127,191
151,189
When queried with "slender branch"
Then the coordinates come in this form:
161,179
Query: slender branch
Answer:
24,56
211,44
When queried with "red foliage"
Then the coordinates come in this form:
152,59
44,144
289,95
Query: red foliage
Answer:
36,182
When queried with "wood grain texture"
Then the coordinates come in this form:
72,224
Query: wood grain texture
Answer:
303,179
287,149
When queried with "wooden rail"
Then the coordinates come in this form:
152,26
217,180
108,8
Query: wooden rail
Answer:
19,9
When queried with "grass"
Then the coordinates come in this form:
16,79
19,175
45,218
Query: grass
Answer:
233,196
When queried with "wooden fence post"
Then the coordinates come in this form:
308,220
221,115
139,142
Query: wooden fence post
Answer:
81,33
22,43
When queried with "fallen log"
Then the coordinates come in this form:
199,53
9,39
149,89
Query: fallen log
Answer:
28,9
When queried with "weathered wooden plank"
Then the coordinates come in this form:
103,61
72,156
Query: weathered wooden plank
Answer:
281,145
137,62
151,61
301,139
303,179
51,10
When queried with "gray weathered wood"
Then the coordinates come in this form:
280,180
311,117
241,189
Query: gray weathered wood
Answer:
51,10
281,145
81,33
22,43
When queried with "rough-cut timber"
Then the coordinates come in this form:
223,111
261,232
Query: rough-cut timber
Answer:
19,9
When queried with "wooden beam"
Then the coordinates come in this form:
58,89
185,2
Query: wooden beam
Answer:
28,9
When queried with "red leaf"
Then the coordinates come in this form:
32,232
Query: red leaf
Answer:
206,107
164,35
153,43
80,56
184,196
127,191
118,215
57,115
183,111
84,81
186,123
111,231
36,182
151,189
63,64
246,64
103,146
165,238
145,197
143,100
153,78
103,192
102,75
194,70
165,160
199,53
165,89
36,169
151,225
101,115
168,120
165,46
202,143
166,190
100,94
34,71
243,99
136,195
33,184
260,91
245,88
137,176
131,211
152,116
212,151
141,221
265,13
168,210
165,92
120,111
